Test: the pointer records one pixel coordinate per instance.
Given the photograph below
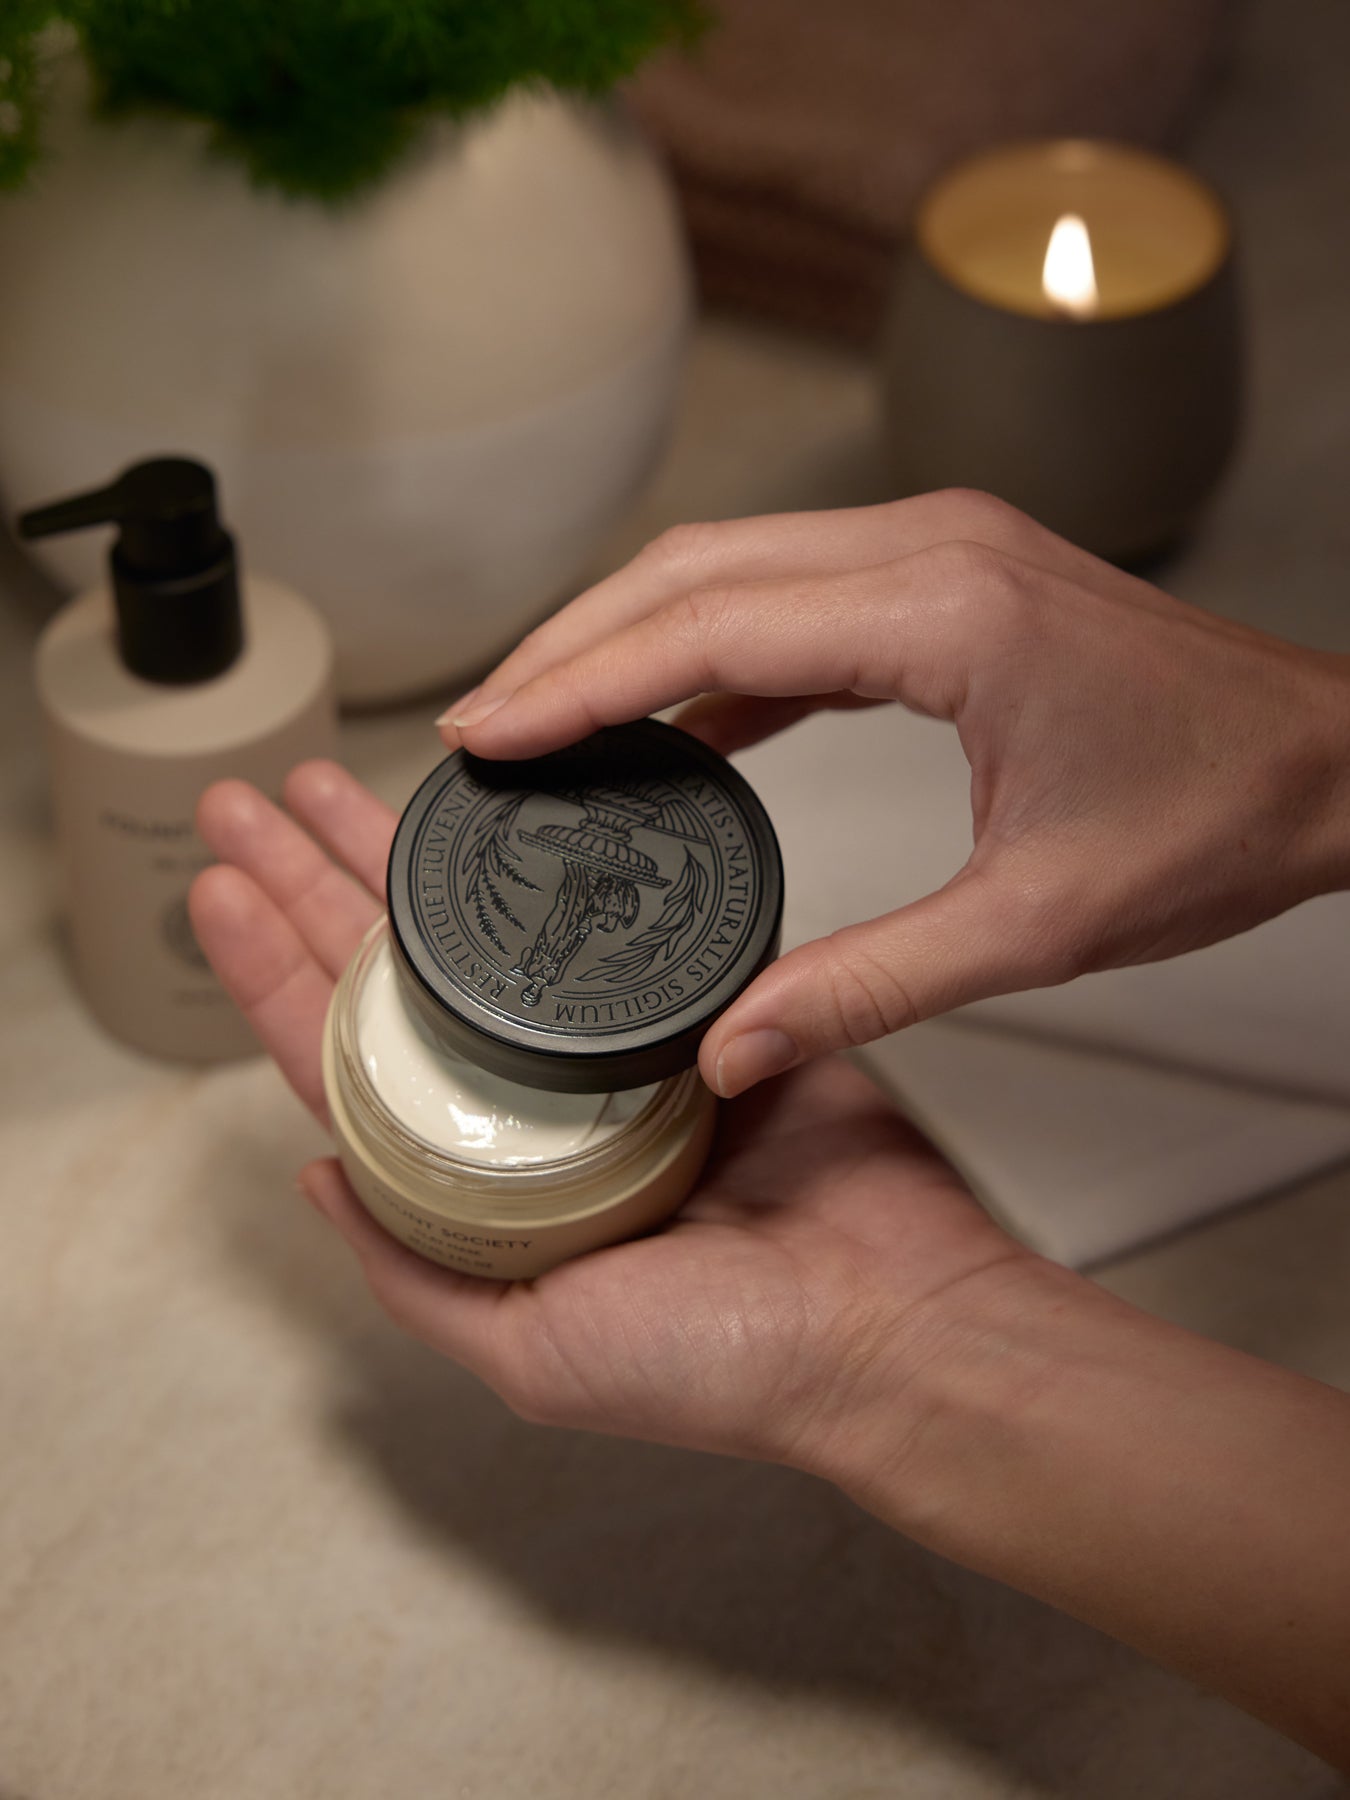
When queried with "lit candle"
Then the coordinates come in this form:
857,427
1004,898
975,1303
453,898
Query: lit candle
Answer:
1068,274
1065,334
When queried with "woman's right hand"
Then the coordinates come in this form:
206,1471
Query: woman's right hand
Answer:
1146,777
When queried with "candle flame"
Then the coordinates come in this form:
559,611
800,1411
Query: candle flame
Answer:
1068,277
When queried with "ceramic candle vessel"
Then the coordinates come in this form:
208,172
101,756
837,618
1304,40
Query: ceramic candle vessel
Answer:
1105,399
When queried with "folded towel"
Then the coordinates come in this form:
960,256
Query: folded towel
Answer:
1097,1115
1087,1155
801,134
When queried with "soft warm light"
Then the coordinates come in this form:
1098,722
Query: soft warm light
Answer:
1067,275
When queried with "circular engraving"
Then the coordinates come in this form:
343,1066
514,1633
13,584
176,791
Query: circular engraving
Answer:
599,909
607,901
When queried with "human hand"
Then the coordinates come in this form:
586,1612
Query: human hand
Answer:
794,1294
1146,777
832,1298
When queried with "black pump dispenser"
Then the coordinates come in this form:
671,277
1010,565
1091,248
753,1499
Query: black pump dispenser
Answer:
175,577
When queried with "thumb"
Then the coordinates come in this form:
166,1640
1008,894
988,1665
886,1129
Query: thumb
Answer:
959,944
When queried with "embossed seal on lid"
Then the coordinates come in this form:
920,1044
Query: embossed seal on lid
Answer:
576,922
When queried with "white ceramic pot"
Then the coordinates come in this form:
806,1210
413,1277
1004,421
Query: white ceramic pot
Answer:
423,408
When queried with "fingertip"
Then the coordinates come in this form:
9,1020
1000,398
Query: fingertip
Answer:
219,897
469,712
710,1055
530,721
446,728
223,806
311,1183
468,717
751,1057
312,782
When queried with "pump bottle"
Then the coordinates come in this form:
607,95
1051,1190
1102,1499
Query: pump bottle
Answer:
172,676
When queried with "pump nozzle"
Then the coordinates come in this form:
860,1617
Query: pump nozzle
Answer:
101,507
175,580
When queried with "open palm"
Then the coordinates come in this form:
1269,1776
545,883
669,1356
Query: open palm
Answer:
813,1256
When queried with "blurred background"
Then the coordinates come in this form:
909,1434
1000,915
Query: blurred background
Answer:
421,294
463,303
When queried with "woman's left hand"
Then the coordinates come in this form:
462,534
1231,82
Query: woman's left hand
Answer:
821,1255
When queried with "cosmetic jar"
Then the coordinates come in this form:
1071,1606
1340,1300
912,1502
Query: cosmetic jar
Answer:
509,1059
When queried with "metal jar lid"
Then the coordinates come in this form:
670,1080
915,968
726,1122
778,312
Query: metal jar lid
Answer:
576,922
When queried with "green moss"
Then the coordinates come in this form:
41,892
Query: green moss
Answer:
20,21
320,97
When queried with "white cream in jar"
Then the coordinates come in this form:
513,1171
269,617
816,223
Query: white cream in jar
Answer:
478,1173
461,1108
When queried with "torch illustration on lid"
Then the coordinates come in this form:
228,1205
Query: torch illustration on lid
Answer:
578,921
603,870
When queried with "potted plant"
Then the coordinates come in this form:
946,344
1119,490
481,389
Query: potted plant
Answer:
397,269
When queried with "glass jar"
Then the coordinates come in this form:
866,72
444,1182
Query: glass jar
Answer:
511,1058
505,1221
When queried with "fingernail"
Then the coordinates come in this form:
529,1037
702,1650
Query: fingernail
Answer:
752,1057
464,718
464,700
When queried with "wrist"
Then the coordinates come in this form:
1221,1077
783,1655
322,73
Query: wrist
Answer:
1321,779
959,1370
1175,1493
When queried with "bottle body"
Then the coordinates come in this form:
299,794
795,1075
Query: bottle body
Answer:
129,759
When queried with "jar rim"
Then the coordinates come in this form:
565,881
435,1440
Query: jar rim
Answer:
506,1184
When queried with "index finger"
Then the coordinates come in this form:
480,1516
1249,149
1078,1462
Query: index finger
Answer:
878,633
778,546
765,547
